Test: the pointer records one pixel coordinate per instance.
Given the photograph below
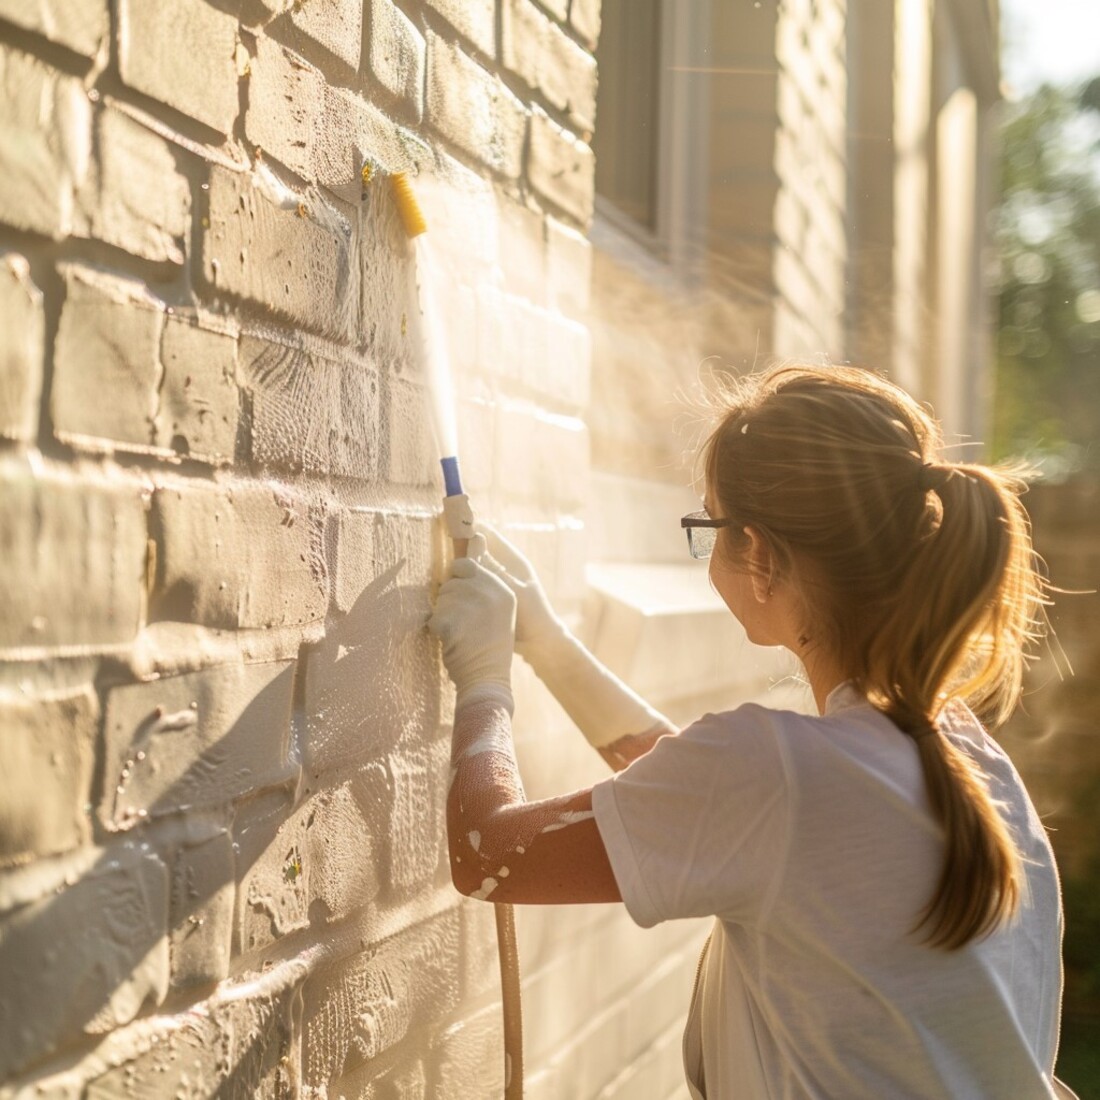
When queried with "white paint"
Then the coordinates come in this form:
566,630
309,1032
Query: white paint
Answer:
488,885
520,850
492,741
570,817
504,872
475,839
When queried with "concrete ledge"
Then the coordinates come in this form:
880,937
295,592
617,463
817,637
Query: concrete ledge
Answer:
664,630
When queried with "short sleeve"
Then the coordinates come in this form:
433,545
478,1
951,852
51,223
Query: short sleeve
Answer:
699,825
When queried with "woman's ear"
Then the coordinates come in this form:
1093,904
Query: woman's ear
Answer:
761,564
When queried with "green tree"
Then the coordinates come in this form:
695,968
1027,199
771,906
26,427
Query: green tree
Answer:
1047,230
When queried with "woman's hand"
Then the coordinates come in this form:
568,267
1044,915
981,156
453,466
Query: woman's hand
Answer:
536,624
474,618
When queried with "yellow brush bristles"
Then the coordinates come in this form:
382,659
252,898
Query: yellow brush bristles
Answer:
407,206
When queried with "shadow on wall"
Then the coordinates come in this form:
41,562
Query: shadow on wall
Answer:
292,855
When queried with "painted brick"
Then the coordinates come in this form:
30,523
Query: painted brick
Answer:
356,1009
417,825
200,912
134,196
397,55
559,9
585,18
522,251
354,132
412,453
85,958
335,24
23,321
194,741
211,1049
261,248
561,167
486,121
381,642
407,1081
474,19
73,553
316,866
46,757
309,412
46,122
549,60
182,54
541,458
107,343
353,562
238,555
198,410
470,1057
81,27
285,99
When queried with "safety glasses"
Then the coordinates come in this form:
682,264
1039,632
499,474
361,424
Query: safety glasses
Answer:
702,532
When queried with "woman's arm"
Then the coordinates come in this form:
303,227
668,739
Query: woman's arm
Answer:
502,847
614,719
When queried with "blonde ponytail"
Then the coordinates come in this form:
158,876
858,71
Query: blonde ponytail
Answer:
916,574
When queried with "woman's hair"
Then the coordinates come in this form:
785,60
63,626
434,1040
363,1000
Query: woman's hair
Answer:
914,572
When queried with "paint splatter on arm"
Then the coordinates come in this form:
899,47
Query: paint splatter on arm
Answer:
504,848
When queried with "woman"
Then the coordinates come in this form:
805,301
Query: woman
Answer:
888,920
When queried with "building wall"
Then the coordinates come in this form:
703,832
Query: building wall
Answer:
225,730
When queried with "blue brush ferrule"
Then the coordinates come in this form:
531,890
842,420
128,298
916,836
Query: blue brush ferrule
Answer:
451,480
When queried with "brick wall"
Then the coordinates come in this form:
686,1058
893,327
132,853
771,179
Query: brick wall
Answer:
225,731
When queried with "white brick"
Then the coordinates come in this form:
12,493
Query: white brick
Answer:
46,757
73,553
200,914
23,321
356,1009
485,120
194,741
81,26
135,198
285,100
335,24
541,459
585,17
474,19
107,343
381,642
353,562
182,54
412,449
309,412
290,259
46,121
470,1057
86,958
353,133
397,55
568,268
198,409
238,555
561,167
417,825
239,1042
318,864
549,60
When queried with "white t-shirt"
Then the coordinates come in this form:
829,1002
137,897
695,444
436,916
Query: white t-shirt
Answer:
812,842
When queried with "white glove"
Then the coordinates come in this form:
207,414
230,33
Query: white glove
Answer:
474,618
602,706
